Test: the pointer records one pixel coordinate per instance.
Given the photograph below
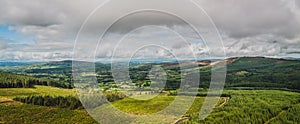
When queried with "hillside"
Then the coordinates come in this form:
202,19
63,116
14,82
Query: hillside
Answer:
10,80
263,72
255,72
31,105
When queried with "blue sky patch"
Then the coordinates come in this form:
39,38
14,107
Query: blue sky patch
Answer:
14,37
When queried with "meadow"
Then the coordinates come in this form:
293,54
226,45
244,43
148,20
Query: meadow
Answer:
257,90
244,106
16,112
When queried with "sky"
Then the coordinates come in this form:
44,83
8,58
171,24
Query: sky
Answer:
44,30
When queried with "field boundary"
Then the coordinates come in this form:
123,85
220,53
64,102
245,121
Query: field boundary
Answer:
280,113
224,103
180,120
271,119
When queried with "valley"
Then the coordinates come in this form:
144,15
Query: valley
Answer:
257,90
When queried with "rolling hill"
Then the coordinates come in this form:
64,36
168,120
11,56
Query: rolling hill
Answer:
263,72
242,72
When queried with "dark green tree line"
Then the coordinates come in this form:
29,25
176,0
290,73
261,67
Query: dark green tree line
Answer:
9,80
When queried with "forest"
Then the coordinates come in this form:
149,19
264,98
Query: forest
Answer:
9,80
71,102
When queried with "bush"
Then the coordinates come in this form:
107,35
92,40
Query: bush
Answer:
68,102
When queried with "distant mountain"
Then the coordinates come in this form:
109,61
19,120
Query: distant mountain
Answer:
291,58
16,63
241,71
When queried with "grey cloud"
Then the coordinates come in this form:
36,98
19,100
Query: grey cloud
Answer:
132,21
246,18
297,3
3,44
34,12
67,15
248,27
293,52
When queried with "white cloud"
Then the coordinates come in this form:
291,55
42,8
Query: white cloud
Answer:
3,45
248,27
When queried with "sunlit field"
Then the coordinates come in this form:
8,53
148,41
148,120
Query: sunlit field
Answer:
243,106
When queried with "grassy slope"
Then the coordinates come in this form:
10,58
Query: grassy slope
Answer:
263,72
38,90
31,114
145,111
245,106
140,107
16,112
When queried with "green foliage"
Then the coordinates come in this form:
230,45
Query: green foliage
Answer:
32,114
255,106
37,90
63,98
241,72
244,106
69,102
9,80
257,72
290,116
112,96
96,99
263,72
13,112
134,106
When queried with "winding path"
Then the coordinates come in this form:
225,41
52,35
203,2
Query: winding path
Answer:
180,120
225,102
281,112
186,118
271,119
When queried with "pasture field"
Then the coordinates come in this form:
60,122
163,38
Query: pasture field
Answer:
16,112
243,106
37,90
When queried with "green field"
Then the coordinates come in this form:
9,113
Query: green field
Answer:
16,112
244,106
38,90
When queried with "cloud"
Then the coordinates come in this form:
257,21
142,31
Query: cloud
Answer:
3,45
253,46
248,27
150,41
36,12
244,18
297,3
251,27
